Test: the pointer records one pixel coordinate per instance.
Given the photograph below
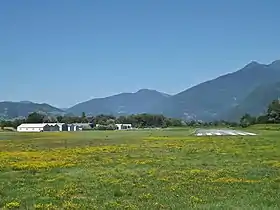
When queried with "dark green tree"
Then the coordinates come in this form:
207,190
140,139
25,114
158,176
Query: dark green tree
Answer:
273,112
59,119
262,119
84,118
102,119
2,125
247,120
35,118
18,122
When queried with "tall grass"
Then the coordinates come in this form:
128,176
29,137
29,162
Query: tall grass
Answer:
154,169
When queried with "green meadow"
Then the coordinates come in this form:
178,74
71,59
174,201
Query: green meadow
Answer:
145,169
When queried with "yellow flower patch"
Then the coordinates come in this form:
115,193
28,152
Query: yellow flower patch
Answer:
196,199
235,180
57,158
12,205
48,206
198,171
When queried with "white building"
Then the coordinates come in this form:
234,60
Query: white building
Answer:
83,126
40,127
62,126
124,126
37,127
73,127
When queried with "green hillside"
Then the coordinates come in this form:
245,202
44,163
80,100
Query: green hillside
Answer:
9,110
142,169
122,104
256,102
226,97
208,100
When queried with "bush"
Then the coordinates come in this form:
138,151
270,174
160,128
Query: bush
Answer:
106,127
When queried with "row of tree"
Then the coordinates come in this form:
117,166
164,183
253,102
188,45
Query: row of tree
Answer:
272,115
147,120
107,121
217,123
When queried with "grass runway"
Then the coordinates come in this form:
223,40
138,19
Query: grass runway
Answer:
145,169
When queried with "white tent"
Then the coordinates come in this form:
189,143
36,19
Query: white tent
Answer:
33,127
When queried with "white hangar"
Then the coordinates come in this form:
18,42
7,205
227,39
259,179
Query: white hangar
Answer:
37,127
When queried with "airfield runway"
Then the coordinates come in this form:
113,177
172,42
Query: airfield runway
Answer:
221,132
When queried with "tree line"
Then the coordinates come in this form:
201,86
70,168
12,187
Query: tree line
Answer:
107,122
272,116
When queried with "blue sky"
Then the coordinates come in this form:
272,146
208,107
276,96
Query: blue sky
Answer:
64,52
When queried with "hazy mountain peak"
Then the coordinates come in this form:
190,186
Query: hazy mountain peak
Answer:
205,101
12,110
275,64
141,101
252,64
26,102
256,102
145,90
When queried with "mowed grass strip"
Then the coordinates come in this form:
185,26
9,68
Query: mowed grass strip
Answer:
153,169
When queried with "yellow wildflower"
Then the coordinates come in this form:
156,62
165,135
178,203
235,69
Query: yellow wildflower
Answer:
235,180
196,199
12,205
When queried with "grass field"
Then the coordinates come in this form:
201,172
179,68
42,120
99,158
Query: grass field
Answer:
153,169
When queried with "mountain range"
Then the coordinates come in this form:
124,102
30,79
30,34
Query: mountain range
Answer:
248,90
256,102
122,104
217,98
10,110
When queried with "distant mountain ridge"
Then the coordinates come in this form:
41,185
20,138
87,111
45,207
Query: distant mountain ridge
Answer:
228,97
141,101
256,102
9,110
211,99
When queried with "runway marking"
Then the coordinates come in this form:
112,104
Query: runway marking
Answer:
242,133
231,133
226,132
251,134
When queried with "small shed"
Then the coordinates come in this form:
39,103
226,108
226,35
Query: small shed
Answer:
61,126
124,126
54,127
72,127
83,126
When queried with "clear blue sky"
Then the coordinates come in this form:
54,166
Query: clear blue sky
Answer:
64,51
